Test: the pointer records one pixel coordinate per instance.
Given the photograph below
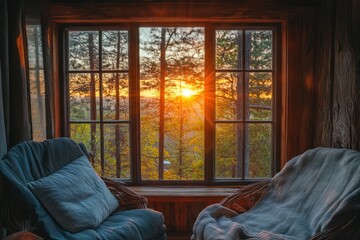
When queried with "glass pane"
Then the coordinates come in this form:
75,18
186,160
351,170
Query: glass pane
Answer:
36,82
89,134
83,50
172,103
84,96
117,151
228,49
115,50
258,49
229,101
260,96
229,150
116,96
260,136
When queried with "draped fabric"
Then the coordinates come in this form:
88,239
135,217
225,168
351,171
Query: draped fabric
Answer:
16,122
15,115
4,77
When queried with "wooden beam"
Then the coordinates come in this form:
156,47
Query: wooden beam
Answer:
136,11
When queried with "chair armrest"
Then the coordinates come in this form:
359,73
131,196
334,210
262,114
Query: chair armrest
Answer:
23,235
345,228
127,198
245,198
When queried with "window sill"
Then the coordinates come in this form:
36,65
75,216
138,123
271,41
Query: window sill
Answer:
184,194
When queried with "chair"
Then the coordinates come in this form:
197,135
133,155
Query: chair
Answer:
316,196
51,189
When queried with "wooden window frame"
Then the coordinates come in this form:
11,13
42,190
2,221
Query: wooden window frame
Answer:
134,121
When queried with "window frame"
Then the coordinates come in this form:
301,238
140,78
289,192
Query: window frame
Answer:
209,91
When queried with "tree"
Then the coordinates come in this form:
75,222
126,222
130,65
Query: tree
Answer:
172,59
239,99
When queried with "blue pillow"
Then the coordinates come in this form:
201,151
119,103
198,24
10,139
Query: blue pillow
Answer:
75,196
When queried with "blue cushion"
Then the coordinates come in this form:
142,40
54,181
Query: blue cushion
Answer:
75,196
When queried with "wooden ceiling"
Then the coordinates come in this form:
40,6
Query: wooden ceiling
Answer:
172,10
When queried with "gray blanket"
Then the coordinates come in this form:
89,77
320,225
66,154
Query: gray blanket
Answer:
315,196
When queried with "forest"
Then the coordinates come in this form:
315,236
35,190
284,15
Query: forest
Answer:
172,100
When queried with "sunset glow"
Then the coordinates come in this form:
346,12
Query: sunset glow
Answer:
186,92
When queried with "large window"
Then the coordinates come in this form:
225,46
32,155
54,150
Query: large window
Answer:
173,104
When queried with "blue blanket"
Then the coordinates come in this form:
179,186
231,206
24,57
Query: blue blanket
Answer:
30,161
315,196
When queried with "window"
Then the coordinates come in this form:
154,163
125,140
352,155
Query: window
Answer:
173,104
36,81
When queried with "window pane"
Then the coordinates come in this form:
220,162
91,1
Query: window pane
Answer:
83,50
260,95
228,49
229,150
117,150
260,138
89,134
115,50
258,49
172,103
84,96
116,96
36,82
229,92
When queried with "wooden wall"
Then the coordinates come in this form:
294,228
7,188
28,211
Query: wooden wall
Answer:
300,86
337,75
180,214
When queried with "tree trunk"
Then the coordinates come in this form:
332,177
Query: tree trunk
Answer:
246,108
181,134
162,103
117,111
92,98
239,113
37,82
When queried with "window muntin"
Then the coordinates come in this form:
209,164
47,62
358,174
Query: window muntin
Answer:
243,94
99,106
243,100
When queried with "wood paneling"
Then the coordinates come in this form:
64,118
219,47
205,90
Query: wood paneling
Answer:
180,216
300,86
338,75
323,72
181,206
131,11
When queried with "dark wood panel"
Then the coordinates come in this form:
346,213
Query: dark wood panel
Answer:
324,74
346,102
300,86
179,216
338,58
145,11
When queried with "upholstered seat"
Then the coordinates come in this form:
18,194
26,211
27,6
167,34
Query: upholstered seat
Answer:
30,164
315,196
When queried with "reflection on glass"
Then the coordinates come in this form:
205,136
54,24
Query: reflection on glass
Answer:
83,50
260,95
36,82
229,150
84,96
172,103
229,49
116,96
115,54
89,135
260,135
117,150
229,92
258,50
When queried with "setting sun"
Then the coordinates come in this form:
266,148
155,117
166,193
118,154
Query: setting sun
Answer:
186,92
